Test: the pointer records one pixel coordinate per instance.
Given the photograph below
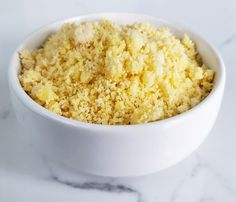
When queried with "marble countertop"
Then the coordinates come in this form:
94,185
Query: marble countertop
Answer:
208,175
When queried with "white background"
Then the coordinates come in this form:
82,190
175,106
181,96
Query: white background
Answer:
208,175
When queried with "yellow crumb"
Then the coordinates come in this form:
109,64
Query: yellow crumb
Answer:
104,73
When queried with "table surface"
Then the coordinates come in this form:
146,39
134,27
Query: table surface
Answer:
208,175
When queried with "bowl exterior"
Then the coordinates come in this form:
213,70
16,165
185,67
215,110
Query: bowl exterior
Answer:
120,152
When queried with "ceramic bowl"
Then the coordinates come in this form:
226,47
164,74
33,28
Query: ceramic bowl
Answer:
129,150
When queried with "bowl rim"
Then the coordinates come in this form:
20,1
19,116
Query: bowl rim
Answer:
29,103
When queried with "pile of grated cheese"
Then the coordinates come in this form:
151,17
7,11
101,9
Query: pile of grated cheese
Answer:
105,73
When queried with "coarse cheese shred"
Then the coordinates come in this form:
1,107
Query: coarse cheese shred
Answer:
104,73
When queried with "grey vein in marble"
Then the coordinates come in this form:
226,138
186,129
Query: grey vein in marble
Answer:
195,171
174,195
106,187
227,41
109,186
5,114
199,166
221,179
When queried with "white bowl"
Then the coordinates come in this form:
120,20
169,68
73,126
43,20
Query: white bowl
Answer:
129,150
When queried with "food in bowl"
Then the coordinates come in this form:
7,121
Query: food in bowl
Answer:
104,73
